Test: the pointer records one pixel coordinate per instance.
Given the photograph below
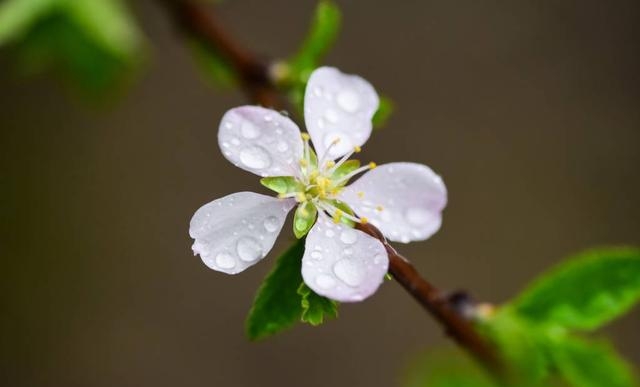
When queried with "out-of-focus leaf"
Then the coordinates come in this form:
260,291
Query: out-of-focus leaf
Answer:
383,113
520,344
446,368
277,305
316,308
590,364
322,33
213,66
108,23
17,16
585,292
94,43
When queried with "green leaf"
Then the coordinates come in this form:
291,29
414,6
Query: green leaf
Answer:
304,219
277,303
590,364
521,344
281,184
585,292
322,33
108,23
446,368
383,113
17,17
316,308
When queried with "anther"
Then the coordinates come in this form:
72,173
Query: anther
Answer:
372,165
305,136
360,194
364,220
357,149
379,208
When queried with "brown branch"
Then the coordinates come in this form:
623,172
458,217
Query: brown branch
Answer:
254,74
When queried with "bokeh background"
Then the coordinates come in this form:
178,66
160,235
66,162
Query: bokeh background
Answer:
529,110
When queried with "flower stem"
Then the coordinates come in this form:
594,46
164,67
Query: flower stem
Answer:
199,23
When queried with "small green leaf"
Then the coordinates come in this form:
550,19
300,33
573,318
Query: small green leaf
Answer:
322,33
590,364
383,113
304,219
277,303
281,184
316,308
346,168
585,292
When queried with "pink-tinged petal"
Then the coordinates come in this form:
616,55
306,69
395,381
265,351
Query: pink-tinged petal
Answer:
343,263
261,141
338,106
235,232
404,200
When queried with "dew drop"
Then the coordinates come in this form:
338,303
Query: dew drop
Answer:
316,255
417,216
331,116
228,125
329,233
249,249
325,281
255,157
271,224
349,236
268,118
282,146
349,271
348,252
235,141
225,261
225,144
349,101
249,130
378,259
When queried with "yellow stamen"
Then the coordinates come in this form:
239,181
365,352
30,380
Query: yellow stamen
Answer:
357,149
360,194
303,162
330,163
337,216
364,220
305,136
379,208
372,165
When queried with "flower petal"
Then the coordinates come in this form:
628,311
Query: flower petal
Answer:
404,200
338,106
343,263
261,141
238,230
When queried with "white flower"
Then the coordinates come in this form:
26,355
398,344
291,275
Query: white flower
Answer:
404,200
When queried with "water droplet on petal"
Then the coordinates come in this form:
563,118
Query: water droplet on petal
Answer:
331,116
249,249
282,146
255,157
271,224
325,281
378,259
329,233
348,252
316,255
349,236
349,101
235,141
249,130
349,271
418,216
225,260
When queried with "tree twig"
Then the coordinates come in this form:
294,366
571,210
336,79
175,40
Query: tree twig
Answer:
199,23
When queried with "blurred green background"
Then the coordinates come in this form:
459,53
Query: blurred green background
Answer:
528,110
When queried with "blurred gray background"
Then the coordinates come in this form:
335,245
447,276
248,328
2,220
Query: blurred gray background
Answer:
528,109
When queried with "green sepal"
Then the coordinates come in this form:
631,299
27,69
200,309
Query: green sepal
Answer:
277,303
304,219
282,184
344,169
342,206
316,308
